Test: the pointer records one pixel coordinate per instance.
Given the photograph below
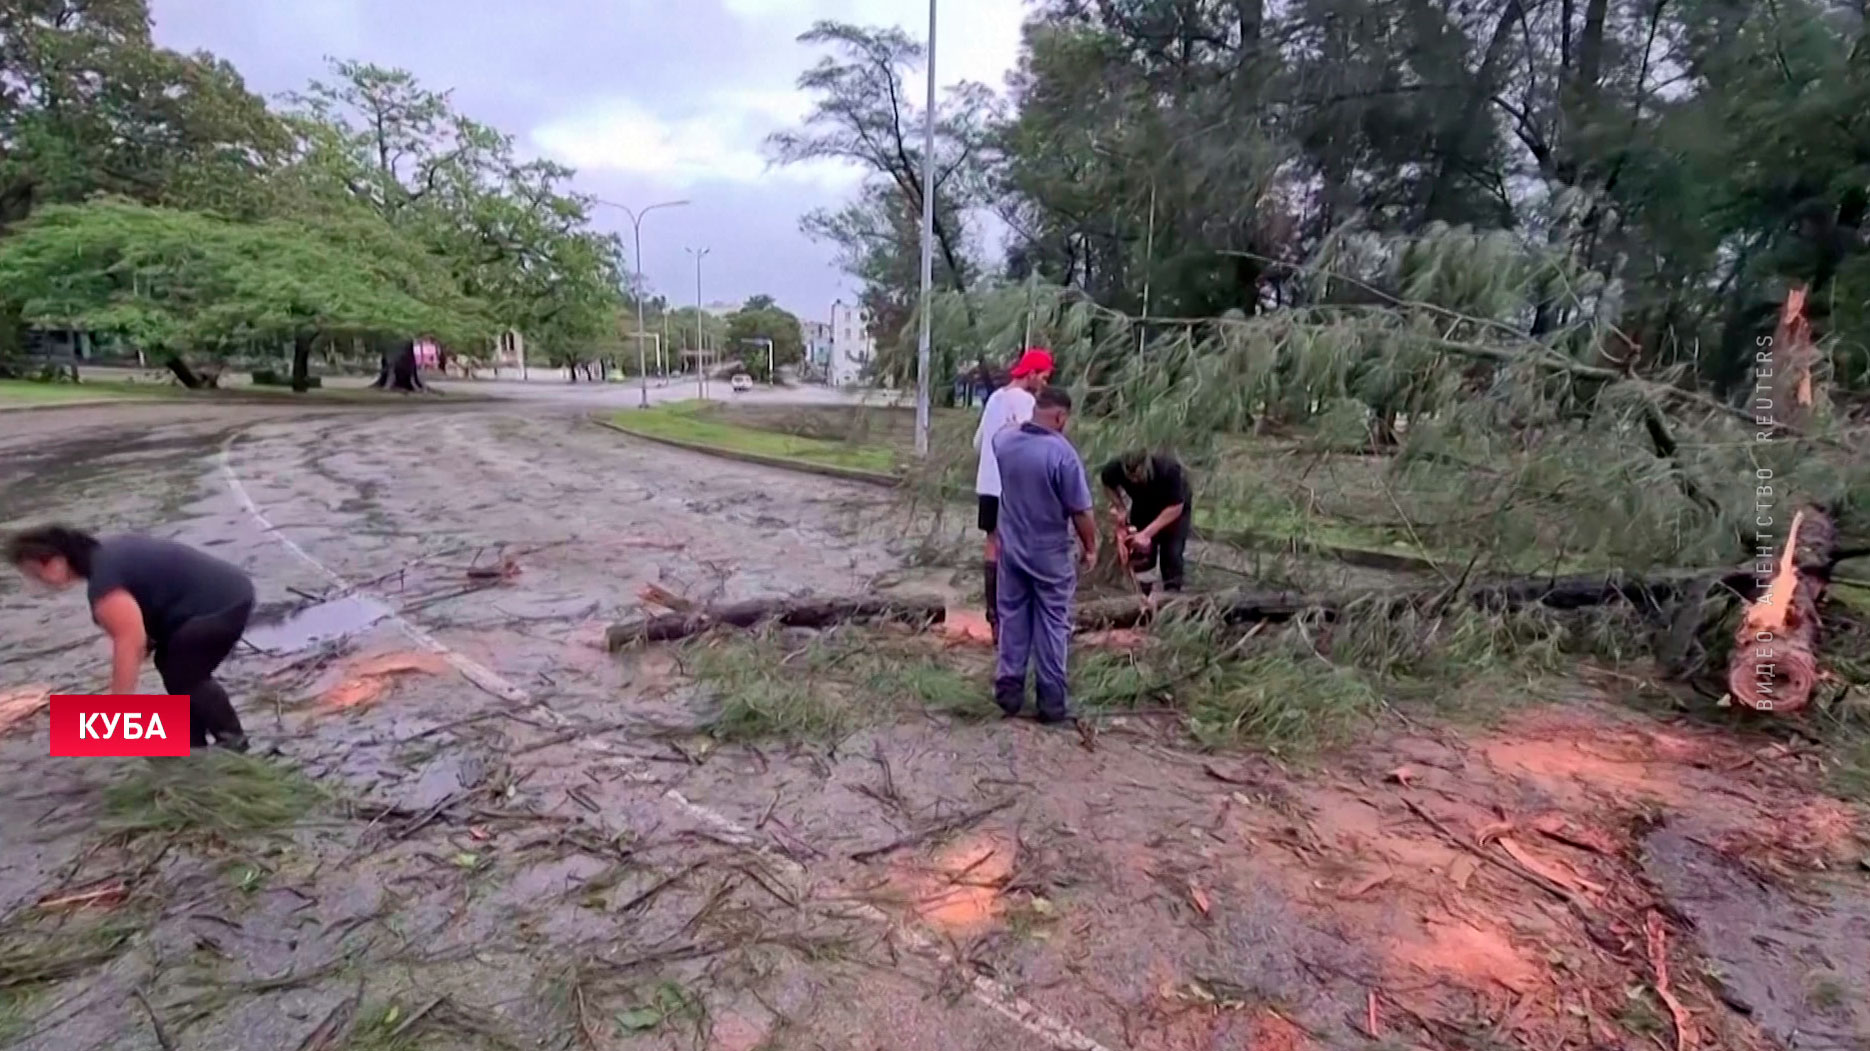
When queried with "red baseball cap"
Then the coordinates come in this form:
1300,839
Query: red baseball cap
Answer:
1036,359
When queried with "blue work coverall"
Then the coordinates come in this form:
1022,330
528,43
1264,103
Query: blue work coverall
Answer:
1042,485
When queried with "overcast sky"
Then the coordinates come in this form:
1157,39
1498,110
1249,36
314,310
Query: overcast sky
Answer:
650,100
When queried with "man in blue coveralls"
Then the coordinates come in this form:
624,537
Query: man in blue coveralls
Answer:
1044,498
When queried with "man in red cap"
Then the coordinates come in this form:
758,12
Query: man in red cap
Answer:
1007,408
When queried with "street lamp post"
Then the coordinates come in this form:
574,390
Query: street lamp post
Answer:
636,232
928,250
701,357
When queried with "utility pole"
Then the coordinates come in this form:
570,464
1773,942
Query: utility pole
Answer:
636,228
928,250
701,357
1149,264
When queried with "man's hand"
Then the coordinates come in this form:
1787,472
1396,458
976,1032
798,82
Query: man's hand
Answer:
1089,556
1141,543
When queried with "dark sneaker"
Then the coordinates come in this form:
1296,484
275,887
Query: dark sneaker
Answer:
232,742
1057,720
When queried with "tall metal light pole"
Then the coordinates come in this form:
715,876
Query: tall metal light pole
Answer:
928,250
636,229
701,357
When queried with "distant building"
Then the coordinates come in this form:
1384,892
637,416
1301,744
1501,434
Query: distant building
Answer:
852,349
510,350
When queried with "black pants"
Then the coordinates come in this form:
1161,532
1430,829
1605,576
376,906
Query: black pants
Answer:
186,660
1169,553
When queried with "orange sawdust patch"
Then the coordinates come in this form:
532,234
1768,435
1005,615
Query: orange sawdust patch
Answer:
1272,1031
731,1031
962,893
1814,834
1469,954
1566,766
967,626
369,678
19,703
1114,639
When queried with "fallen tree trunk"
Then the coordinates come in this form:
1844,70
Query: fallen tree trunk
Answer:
1234,606
793,613
1775,660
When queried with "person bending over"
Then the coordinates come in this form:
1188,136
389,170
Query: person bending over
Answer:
153,597
1045,497
1152,494
1006,408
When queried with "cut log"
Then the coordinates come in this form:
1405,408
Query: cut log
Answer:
1236,606
1775,660
792,613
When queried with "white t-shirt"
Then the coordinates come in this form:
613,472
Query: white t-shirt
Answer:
1009,406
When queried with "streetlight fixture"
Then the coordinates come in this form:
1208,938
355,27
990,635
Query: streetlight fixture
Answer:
928,250
701,356
636,230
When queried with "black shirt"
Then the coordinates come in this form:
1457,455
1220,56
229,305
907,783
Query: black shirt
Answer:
172,583
1166,486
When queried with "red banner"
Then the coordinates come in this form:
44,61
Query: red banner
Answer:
90,726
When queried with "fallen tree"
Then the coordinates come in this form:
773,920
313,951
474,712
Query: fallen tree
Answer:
1240,605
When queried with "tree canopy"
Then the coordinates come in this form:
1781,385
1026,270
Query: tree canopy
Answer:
367,204
761,319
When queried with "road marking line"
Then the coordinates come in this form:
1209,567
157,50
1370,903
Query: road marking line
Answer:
995,995
478,674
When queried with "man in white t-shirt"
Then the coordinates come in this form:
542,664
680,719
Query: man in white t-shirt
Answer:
1009,407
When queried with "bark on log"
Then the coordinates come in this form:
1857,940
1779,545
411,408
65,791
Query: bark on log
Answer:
1234,606
795,613
1775,660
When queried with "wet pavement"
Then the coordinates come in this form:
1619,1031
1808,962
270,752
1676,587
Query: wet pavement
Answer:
537,849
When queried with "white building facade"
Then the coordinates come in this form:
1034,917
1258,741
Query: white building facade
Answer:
852,349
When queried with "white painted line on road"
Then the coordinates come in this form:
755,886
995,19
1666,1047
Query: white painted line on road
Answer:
473,671
996,995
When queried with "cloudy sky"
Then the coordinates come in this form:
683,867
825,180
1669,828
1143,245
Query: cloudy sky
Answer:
651,100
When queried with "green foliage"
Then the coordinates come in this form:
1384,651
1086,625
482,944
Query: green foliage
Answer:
1519,450
760,319
176,281
861,114
217,792
506,230
90,105
1699,156
370,208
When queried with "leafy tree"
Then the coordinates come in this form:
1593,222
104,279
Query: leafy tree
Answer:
762,319
509,231
88,104
176,281
862,113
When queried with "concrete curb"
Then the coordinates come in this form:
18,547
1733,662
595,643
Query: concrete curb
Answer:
846,474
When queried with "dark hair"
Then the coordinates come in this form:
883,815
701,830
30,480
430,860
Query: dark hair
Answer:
45,543
1053,398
